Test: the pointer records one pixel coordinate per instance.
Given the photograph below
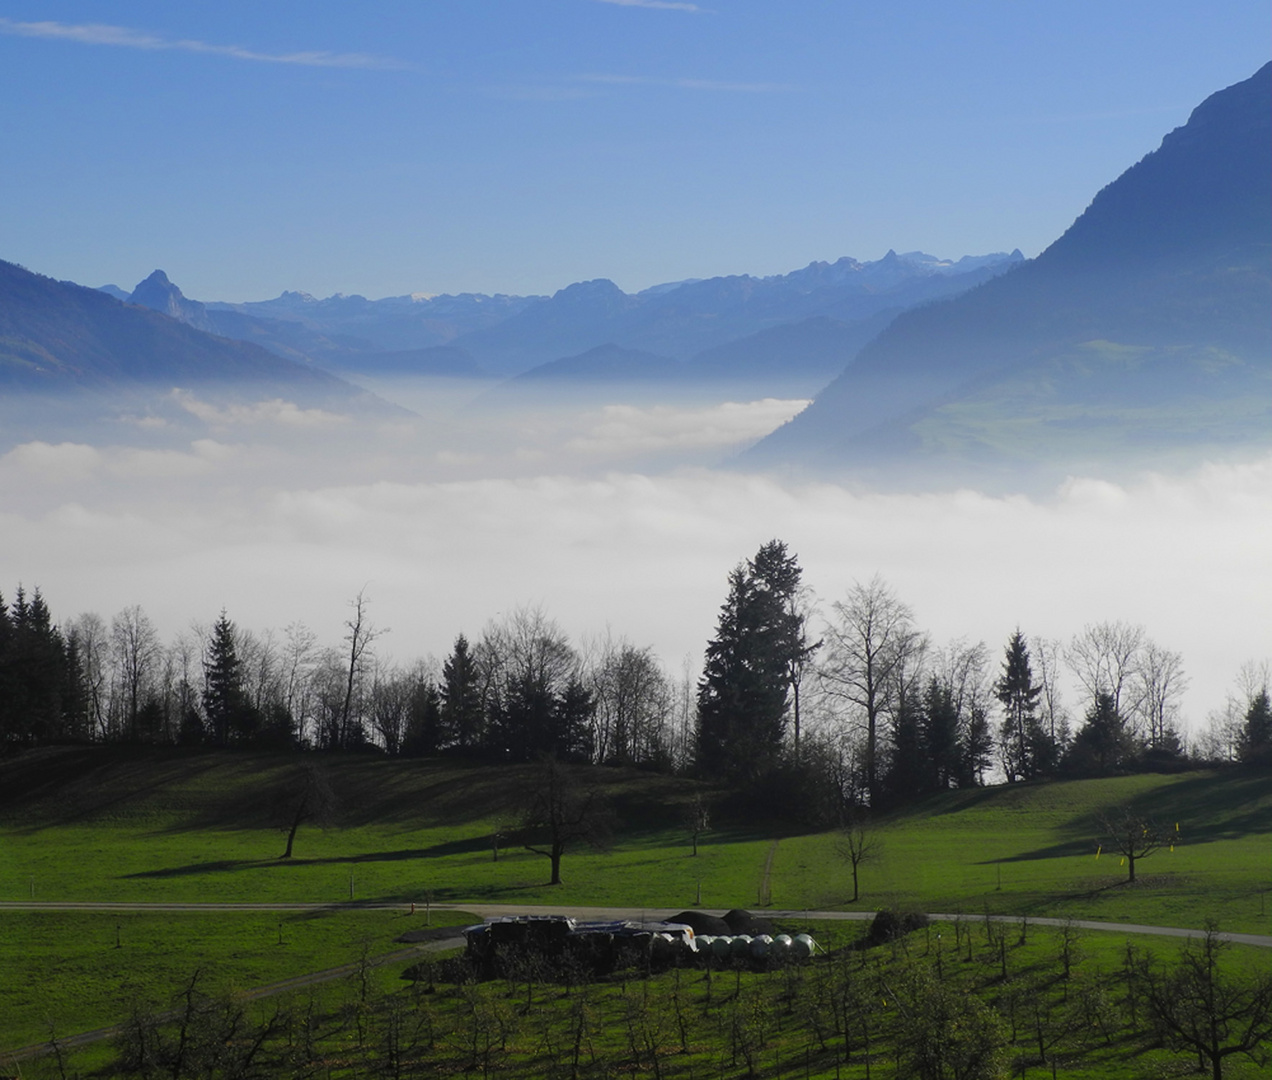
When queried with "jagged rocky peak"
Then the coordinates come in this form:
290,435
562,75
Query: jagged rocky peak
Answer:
160,294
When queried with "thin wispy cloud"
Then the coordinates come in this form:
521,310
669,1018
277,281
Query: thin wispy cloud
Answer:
657,5
687,84
126,38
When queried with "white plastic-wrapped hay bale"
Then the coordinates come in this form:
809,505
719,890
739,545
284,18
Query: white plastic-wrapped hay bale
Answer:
761,947
781,947
741,945
802,946
722,947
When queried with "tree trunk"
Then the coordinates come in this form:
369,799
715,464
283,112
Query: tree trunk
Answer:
854,884
297,821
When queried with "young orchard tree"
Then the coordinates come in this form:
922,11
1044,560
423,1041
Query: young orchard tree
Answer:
697,819
1199,1006
1132,835
857,845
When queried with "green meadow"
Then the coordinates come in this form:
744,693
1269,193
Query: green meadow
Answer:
107,825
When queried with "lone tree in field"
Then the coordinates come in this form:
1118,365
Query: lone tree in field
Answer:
856,845
305,798
696,819
560,814
1131,835
1197,1006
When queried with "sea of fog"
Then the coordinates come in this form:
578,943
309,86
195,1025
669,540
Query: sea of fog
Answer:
610,518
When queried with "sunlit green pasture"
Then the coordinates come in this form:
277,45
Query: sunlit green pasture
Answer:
1032,850
197,827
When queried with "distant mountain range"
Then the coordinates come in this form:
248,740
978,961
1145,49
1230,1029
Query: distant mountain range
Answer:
57,336
808,323
1145,330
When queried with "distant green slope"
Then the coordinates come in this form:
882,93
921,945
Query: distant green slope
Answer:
148,825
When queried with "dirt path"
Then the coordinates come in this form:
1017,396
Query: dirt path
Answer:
485,911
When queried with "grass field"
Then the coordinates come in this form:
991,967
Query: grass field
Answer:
103,824
66,972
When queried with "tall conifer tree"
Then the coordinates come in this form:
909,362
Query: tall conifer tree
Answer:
1018,693
744,693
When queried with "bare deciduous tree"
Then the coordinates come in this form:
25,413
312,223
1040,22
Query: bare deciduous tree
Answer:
857,845
697,818
1200,1007
868,647
560,813
1132,835
1159,684
135,651
1048,656
1103,658
358,638
633,705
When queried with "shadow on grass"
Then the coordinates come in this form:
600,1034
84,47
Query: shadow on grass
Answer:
454,847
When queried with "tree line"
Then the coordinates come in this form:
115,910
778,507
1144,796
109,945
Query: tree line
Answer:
893,716
856,708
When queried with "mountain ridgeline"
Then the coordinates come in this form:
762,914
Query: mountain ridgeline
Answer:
1142,335
804,325
58,336
1143,331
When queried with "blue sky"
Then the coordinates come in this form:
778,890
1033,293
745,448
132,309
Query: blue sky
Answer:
516,146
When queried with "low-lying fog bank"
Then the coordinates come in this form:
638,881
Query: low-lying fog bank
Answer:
606,517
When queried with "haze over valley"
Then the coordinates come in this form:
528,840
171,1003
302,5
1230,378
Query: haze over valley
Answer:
1047,443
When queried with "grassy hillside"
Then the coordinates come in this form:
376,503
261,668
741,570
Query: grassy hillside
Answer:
99,824
127,825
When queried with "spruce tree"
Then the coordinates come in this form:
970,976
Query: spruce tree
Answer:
1103,744
225,705
462,715
1019,696
744,693
940,737
1255,747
